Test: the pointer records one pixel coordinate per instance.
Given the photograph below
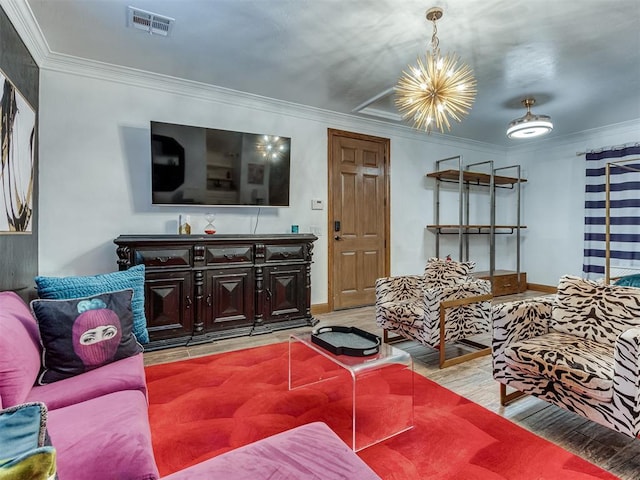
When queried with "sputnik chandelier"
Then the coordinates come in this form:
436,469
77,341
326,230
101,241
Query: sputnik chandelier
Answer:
437,88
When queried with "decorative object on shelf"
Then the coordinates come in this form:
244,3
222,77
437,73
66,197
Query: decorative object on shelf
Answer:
295,229
437,88
184,225
209,228
529,125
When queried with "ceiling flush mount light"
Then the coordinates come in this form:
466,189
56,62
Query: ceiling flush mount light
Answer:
530,125
437,88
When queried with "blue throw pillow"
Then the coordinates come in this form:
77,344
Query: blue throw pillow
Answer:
66,288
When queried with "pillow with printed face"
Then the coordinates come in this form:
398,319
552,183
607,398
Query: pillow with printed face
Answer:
81,334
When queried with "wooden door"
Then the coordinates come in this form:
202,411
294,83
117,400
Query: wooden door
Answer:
358,217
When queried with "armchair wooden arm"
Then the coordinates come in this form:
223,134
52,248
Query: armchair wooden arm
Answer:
443,314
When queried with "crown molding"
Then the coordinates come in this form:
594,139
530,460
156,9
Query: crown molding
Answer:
76,66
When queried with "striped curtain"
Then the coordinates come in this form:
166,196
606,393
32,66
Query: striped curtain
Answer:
624,213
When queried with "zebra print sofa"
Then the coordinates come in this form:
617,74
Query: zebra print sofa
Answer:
446,304
579,350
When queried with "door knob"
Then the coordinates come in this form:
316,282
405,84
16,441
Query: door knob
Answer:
338,237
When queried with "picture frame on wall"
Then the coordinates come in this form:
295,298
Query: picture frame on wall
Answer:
17,160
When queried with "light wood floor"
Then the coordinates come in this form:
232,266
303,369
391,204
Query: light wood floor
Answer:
612,451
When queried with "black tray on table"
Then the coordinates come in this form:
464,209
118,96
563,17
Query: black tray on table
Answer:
350,341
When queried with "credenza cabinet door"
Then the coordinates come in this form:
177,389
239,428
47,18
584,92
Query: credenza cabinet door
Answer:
169,304
285,292
230,299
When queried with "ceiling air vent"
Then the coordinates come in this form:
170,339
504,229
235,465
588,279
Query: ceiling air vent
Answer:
150,22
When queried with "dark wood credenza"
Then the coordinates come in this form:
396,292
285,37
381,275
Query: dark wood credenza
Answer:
200,288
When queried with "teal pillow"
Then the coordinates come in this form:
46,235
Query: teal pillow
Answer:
22,427
25,449
67,288
629,281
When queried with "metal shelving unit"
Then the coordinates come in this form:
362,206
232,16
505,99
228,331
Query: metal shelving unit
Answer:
466,177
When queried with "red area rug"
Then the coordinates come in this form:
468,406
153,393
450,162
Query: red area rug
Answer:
203,407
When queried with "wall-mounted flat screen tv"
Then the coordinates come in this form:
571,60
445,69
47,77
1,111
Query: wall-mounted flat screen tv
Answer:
209,167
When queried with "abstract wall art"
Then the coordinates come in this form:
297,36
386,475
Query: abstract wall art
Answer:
17,158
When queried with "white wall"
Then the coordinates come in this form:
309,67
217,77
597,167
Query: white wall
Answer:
95,176
95,168
554,206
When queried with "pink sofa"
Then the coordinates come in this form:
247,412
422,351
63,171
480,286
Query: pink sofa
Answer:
97,421
309,452
99,425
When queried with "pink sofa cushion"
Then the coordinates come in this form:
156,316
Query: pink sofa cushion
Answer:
104,438
19,350
310,452
125,374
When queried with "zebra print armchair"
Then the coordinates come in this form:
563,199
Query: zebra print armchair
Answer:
446,304
579,351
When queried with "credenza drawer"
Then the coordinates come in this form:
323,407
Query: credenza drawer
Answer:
504,282
229,254
507,284
166,257
276,253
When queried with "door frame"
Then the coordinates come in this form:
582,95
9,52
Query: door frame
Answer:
386,143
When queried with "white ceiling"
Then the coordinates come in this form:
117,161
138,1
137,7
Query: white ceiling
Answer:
580,59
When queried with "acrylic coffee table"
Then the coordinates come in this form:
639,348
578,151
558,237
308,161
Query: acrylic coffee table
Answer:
377,390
